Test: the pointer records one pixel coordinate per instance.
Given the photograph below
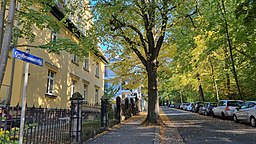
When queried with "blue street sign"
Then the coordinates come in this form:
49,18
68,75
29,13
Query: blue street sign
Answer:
27,57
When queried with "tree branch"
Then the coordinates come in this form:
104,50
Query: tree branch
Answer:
25,45
136,30
245,54
148,27
163,29
136,51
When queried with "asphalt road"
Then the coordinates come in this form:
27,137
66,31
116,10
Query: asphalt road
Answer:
198,129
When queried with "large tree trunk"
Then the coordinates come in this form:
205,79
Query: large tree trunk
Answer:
152,116
2,15
7,40
200,89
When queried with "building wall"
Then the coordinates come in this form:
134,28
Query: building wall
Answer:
65,71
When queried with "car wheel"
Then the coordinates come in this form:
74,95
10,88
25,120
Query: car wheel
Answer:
213,114
223,115
235,118
253,121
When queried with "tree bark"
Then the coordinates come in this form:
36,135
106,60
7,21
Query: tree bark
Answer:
7,39
230,50
2,15
152,116
227,67
200,89
214,81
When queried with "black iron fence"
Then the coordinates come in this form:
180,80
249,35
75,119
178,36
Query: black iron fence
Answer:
51,126
42,125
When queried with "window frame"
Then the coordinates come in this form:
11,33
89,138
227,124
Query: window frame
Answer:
73,87
49,86
85,91
96,96
54,36
97,69
74,59
86,63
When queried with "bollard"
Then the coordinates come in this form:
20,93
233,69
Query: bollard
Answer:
118,110
104,112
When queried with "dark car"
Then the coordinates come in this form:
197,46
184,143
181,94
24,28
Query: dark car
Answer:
196,107
207,108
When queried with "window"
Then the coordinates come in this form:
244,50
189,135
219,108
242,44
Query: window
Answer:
73,87
251,105
64,2
234,103
97,69
85,91
78,19
221,103
96,96
244,105
86,63
74,59
54,36
106,72
50,82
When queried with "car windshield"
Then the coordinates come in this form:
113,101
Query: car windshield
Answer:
234,103
214,104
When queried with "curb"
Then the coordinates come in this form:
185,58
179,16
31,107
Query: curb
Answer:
175,137
157,135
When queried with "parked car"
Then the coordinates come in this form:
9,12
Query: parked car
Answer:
207,108
226,108
190,106
246,113
197,106
184,106
177,105
172,106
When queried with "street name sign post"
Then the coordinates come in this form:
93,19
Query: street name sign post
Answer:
28,58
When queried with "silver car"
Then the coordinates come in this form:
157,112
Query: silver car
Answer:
246,112
226,108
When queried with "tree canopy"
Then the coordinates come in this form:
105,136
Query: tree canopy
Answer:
203,47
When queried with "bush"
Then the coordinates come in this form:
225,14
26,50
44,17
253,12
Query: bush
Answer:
90,129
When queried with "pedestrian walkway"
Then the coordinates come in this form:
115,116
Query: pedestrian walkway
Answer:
129,132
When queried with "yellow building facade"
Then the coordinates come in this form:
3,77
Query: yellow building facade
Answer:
61,75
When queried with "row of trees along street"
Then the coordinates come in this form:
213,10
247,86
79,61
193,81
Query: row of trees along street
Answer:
200,50
197,49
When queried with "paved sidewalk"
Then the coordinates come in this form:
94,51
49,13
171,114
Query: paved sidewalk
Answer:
129,132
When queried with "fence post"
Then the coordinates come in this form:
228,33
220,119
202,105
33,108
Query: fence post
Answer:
118,109
76,101
104,112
